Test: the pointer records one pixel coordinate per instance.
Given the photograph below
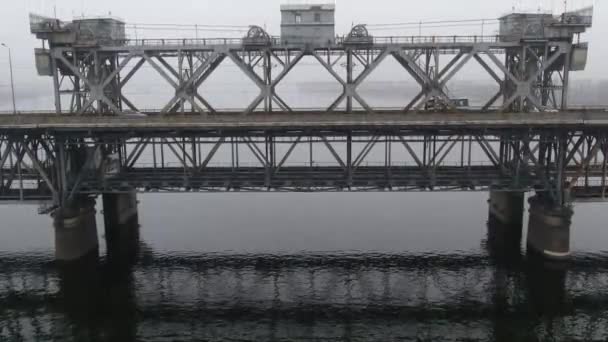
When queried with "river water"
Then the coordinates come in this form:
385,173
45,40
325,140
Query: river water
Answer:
305,267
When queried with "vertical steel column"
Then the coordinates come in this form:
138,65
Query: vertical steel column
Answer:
97,78
388,159
180,71
604,167
268,80
232,156
546,79
118,89
270,157
55,68
523,67
506,89
566,82
154,161
349,159
78,97
310,151
19,173
349,79
61,168
162,154
7,147
191,72
562,146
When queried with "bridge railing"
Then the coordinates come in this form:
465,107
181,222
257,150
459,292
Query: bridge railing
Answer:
455,39
310,110
246,165
181,42
436,39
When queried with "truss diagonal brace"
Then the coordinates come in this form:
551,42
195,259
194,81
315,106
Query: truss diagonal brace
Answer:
97,92
43,174
333,152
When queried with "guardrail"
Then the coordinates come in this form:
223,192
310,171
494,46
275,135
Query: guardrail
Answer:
180,42
245,165
435,39
143,111
278,41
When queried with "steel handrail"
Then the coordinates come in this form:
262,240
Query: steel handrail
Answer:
275,40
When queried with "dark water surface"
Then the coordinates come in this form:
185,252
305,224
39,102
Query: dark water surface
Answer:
305,267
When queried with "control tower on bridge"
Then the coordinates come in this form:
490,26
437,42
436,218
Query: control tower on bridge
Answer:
308,24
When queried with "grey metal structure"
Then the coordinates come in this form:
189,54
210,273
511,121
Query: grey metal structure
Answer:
534,56
530,63
522,139
59,159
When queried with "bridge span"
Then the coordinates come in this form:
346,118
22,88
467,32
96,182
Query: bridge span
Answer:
100,142
68,160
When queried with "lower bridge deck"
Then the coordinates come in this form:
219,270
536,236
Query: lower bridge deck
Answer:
302,179
439,152
314,122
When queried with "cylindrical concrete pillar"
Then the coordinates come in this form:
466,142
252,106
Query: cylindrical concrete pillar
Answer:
505,225
121,227
119,209
507,207
549,229
76,232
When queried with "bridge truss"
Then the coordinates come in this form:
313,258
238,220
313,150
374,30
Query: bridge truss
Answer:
531,75
62,165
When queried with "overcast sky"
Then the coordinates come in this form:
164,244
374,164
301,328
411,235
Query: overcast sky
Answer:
14,18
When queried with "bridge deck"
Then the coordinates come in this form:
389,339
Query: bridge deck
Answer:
304,121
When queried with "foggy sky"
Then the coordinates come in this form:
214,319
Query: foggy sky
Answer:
15,21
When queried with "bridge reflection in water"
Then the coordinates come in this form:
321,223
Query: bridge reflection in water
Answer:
337,297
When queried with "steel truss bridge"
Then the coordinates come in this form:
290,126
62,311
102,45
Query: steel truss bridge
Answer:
100,141
57,158
531,75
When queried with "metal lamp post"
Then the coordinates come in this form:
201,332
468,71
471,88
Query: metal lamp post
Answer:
10,63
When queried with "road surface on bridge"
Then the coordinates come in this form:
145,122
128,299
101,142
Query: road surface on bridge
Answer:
52,122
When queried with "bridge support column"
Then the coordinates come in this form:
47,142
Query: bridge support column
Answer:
76,232
505,223
549,229
121,226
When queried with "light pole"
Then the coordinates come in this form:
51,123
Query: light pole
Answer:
10,63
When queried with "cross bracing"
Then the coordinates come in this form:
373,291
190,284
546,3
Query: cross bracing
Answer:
529,75
62,163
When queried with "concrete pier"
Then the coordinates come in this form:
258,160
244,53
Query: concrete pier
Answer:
549,229
76,232
505,224
121,227
507,207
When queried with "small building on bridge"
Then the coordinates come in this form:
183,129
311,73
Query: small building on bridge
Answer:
545,26
308,24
